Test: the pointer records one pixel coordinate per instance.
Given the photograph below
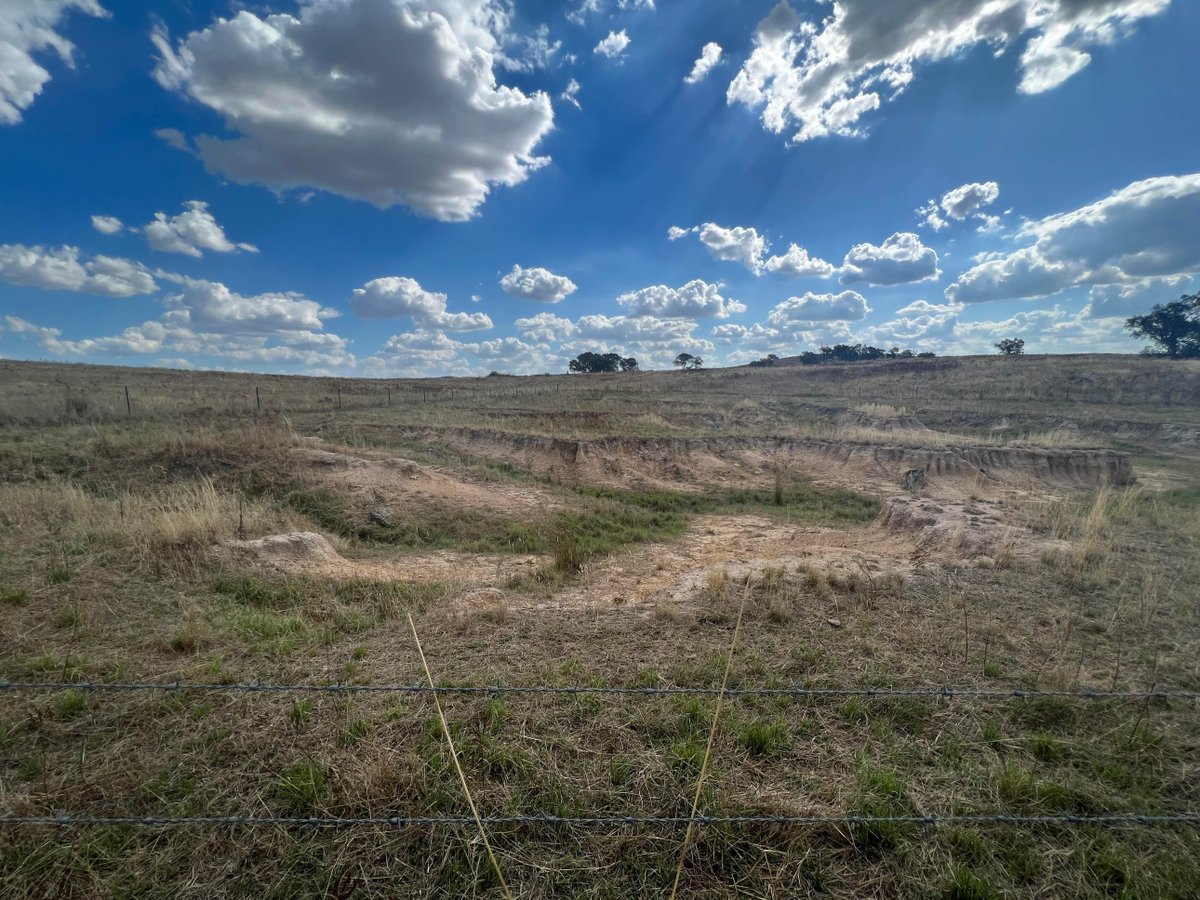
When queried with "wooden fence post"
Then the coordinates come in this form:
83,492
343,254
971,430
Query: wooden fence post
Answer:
257,398
128,405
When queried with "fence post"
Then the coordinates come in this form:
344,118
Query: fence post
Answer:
257,398
339,396
389,390
128,405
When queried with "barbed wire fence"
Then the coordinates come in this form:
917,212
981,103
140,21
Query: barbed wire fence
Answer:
1185,818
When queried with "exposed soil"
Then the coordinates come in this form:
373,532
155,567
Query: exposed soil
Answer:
691,464
308,553
738,546
962,515
401,482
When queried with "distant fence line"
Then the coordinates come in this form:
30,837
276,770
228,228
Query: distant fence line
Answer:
1139,819
1116,820
942,692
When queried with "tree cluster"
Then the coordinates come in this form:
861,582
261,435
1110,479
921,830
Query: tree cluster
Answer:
687,361
769,360
1011,347
589,363
841,353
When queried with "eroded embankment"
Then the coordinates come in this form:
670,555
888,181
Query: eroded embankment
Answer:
690,463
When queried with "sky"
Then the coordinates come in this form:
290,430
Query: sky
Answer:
394,188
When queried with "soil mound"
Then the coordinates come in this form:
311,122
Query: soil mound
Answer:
400,483
309,553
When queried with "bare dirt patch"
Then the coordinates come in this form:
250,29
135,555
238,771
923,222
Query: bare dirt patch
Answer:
309,553
401,482
737,546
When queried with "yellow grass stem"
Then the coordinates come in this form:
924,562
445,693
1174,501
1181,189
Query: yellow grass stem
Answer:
457,765
712,734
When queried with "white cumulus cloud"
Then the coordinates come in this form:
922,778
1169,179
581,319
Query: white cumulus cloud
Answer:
901,259
797,312
695,300
798,263
29,28
614,45
710,55
211,307
107,224
190,232
1149,229
814,79
384,102
393,297
62,269
959,203
537,284
546,326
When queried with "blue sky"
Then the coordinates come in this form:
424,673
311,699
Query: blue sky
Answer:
386,187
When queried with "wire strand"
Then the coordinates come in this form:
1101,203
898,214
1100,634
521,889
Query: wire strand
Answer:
1191,819
945,692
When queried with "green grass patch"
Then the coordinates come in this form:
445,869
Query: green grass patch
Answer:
301,787
592,522
13,597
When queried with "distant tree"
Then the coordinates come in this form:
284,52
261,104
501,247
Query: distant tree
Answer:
1011,346
769,360
1173,327
589,363
687,361
926,354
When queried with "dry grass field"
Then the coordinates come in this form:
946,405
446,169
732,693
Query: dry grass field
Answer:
602,531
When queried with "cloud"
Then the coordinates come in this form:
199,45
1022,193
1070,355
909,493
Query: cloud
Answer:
901,259
695,300
571,93
709,57
614,45
190,232
394,297
107,224
586,8
818,79
746,246
29,27
925,307
1148,229
798,263
537,284
538,51
382,102
736,244
425,352
961,202
61,269
546,327
174,137
211,307
207,319
1134,298
797,312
